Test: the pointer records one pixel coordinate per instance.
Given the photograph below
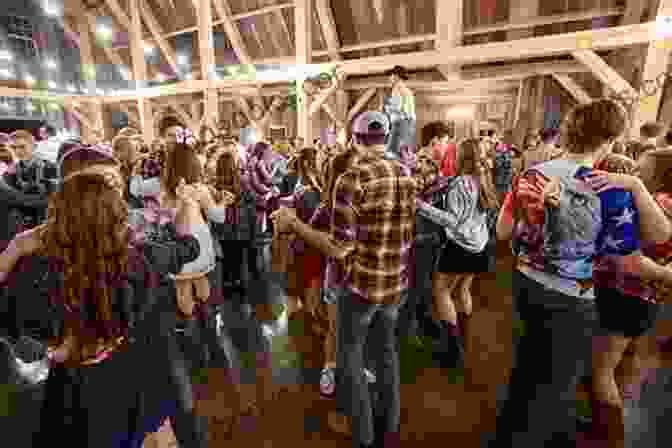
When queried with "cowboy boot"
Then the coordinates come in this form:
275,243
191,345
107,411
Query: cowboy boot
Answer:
608,425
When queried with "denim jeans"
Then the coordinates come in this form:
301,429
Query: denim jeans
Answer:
402,133
357,320
550,357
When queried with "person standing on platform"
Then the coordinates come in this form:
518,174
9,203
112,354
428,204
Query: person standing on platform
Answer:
400,108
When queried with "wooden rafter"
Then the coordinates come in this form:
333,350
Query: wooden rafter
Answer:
156,31
140,70
118,13
603,71
361,102
183,114
231,29
573,88
262,11
519,102
328,25
464,99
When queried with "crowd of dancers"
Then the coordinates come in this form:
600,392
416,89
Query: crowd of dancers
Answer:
117,248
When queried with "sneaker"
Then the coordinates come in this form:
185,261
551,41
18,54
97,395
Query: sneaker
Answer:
328,382
369,375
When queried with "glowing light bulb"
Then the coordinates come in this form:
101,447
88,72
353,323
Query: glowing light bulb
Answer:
51,64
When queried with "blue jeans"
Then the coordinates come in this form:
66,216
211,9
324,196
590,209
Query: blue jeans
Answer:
402,133
551,356
357,320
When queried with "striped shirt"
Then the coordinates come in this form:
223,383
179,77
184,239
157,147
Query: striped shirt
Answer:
374,219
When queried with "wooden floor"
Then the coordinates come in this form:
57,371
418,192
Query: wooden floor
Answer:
434,408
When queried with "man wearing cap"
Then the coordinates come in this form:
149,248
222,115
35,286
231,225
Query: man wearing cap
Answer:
374,231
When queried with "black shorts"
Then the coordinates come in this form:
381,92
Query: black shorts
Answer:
623,314
455,259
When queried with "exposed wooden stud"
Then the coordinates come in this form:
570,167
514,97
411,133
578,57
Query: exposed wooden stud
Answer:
146,118
196,111
603,71
449,31
463,99
303,25
328,25
573,88
232,32
656,62
118,13
156,31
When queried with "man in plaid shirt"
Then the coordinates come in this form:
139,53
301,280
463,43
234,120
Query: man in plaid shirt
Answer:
373,234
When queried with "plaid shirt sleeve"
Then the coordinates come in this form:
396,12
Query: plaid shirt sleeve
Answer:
345,213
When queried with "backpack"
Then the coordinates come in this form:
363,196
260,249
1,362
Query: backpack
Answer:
570,231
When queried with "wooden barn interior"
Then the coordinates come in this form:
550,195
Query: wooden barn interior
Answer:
518,64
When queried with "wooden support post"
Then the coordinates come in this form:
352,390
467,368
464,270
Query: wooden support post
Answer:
137,51
449,32
196,111
146,119
573,88
303,24
92,129
656,62
211,108
205,39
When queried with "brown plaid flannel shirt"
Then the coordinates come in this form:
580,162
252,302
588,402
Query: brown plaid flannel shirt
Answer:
374,219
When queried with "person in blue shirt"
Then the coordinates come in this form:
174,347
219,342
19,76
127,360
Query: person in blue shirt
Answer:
555,301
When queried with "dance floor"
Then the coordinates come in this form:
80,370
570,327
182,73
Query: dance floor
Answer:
435,406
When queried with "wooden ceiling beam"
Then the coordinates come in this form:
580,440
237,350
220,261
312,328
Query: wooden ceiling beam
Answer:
535,21
156,30
573,88
262,11
119,13
449,32
603,71
140,70
224,12
553,45
328,26
519,103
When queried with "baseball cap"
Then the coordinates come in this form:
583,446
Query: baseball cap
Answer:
371,123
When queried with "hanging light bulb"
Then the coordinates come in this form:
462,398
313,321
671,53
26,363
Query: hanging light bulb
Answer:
53,85
51,9
72,88
51,64
5,55
149,49
5,73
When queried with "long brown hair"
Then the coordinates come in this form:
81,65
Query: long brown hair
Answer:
181,163
87,230
470,163
227,175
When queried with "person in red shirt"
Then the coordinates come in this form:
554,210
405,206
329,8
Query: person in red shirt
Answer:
436,137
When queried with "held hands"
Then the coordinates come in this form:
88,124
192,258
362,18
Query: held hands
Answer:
284,219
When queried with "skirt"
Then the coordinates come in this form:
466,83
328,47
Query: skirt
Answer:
89,406
455,259
624,315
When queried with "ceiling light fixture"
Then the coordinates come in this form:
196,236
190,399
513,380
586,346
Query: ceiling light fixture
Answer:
5,55
29,79
53,85
51,64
